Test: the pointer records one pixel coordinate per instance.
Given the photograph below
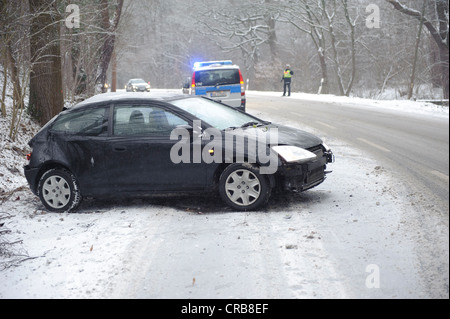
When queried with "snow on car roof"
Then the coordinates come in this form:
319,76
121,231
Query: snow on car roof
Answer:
121,96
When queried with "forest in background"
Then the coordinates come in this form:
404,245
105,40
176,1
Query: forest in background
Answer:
57,50
335,40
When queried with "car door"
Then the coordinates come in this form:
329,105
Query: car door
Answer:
78,140
139,151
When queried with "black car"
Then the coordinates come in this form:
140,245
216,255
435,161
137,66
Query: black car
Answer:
133,144
137,85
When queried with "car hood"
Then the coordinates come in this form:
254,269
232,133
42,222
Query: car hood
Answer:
291,136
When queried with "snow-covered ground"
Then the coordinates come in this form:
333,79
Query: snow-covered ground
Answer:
406,106
354,236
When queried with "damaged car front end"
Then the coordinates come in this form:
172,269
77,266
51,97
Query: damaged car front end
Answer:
299,177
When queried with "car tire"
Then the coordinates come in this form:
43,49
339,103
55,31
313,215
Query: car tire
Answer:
59,190
242,187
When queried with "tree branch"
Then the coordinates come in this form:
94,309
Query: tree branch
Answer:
441,42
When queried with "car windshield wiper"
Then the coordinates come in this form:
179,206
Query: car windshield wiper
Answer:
231,128
248,124
255,124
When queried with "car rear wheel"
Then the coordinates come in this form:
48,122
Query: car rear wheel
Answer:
59,191
242,187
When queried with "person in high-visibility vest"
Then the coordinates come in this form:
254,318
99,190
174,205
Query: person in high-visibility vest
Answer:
287,78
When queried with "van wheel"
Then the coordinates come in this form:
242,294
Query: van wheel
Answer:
59,190
242,187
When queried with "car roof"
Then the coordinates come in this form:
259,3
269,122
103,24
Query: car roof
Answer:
216,67
130,96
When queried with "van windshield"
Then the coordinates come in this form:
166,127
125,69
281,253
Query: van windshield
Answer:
217,77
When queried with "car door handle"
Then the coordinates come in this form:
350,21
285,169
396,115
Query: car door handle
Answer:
119,149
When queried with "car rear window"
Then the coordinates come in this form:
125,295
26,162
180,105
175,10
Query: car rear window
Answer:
217,77
91,122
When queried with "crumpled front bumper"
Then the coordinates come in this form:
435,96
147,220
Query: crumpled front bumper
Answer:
300,177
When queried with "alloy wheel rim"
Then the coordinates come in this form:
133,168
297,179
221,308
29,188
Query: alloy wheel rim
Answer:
243,187
56,192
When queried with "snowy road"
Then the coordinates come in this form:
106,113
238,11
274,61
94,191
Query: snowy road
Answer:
360,234
414,146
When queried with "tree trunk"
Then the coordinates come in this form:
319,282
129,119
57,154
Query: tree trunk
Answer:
109,40
46,92
317,35
114,73
272,35
5,79
416,51
337,66
445,70
323,67
18,102
352,26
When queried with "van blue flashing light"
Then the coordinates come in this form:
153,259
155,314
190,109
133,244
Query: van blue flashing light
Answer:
198,65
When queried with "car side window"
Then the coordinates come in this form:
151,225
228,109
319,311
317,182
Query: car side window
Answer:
144,120
88,122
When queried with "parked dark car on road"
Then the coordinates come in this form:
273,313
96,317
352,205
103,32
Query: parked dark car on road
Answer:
123,144
137,85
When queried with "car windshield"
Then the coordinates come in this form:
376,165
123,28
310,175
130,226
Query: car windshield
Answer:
217,115
138,81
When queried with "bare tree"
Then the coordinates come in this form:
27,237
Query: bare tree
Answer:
150,47
308,17
245,28
46,95
14,24
81,50
352,26
439,32
110,25
416,52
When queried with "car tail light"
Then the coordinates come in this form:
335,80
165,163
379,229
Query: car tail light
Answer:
29,156
193,84
241,79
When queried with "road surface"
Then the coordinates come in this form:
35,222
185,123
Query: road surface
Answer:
376,228
383,211
414,147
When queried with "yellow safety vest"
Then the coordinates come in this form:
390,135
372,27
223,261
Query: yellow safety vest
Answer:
287,74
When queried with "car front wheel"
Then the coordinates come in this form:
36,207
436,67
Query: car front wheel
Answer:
242,187
59,191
